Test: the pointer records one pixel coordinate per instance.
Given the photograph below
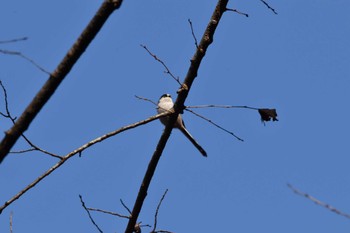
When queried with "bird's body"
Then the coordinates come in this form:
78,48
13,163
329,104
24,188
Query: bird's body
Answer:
165,103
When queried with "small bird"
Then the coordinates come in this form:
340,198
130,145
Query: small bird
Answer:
165,103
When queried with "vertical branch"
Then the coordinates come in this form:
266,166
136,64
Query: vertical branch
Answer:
11,219
48,89
206,40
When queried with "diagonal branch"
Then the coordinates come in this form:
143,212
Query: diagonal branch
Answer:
8,52
13,40
269,7
167,70
193,35
318,202
237,11
48,89
79,151
213,123
123,204
206,40
108,212
88,212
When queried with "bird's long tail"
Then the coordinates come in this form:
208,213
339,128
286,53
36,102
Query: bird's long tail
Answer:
194,142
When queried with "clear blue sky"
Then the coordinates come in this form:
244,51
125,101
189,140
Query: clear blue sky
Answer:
296,61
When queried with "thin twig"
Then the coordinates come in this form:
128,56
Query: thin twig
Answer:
108,212
88,212
11,220
22,151
79,151
35,147
213,123
13,119
146,99
157,210
13,40
167,70
193,35
269,7
318,202
121,201
238,12
8,52
7,115
221,106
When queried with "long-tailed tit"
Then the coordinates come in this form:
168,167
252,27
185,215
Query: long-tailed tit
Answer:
165,103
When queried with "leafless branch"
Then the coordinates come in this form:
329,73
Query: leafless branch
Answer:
121,201
8,52
193,35
22,151
146,99
266,114
269,7
206,40
213,123
157,210
11,220
167,70
108,212
79,151
88,212
238,12
35,147
13,119
13,40
55,79
221,106
318,202
7,114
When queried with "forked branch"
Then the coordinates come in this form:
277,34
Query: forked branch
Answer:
206,40
79,151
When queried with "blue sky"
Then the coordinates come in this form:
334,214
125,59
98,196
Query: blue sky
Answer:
296,61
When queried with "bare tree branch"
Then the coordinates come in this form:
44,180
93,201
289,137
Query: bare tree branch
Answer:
13,119
7,114
318,202
206,40
79,151
213,123
35,147
8,52
237,11
221,106
88,212
48,89
193,35
121,201
108,212
11,220
269,7
146,99
13,40
157,210
167,70
22,151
